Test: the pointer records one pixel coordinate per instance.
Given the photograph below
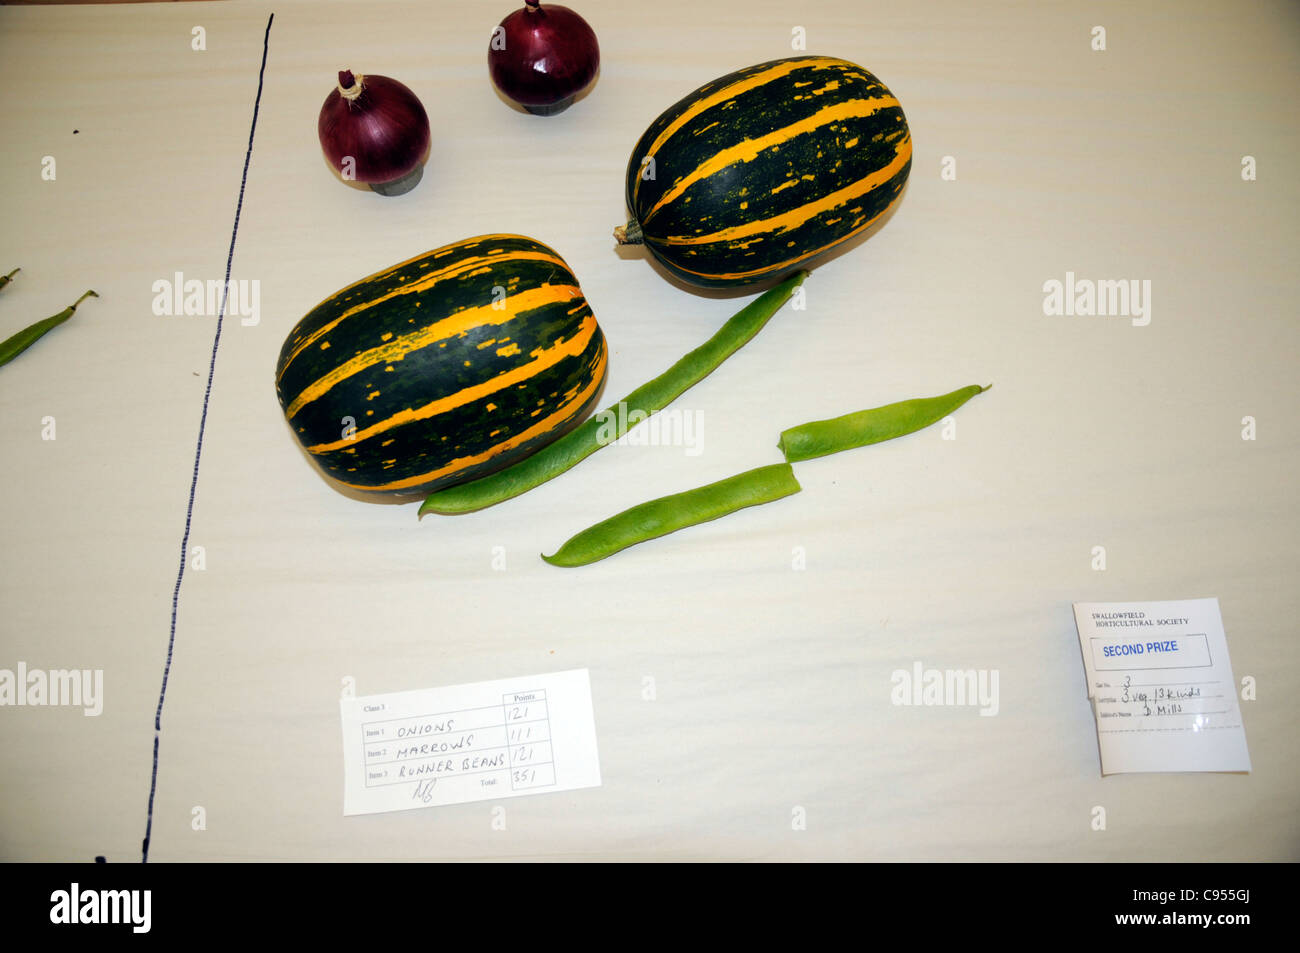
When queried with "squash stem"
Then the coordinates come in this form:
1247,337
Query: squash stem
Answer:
629,234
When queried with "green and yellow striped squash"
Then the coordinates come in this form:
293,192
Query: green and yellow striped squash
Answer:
754,173
443,368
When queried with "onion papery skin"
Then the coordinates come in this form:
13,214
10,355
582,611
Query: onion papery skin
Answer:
550,55
384,129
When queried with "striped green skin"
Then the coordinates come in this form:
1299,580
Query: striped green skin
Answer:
451,366
762,169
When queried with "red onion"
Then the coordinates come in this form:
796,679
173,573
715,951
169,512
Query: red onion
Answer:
374,131
542,57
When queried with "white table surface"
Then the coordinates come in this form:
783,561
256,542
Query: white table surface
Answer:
771,684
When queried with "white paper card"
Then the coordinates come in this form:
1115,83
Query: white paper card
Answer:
476,742
1161,686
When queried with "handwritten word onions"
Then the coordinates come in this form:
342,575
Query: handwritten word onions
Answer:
374,130
541,57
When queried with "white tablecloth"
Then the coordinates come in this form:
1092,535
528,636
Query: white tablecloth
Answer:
735,693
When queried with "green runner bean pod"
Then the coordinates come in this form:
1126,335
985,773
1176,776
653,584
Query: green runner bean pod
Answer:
671,513
649,398
13,346
821,437
5,279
